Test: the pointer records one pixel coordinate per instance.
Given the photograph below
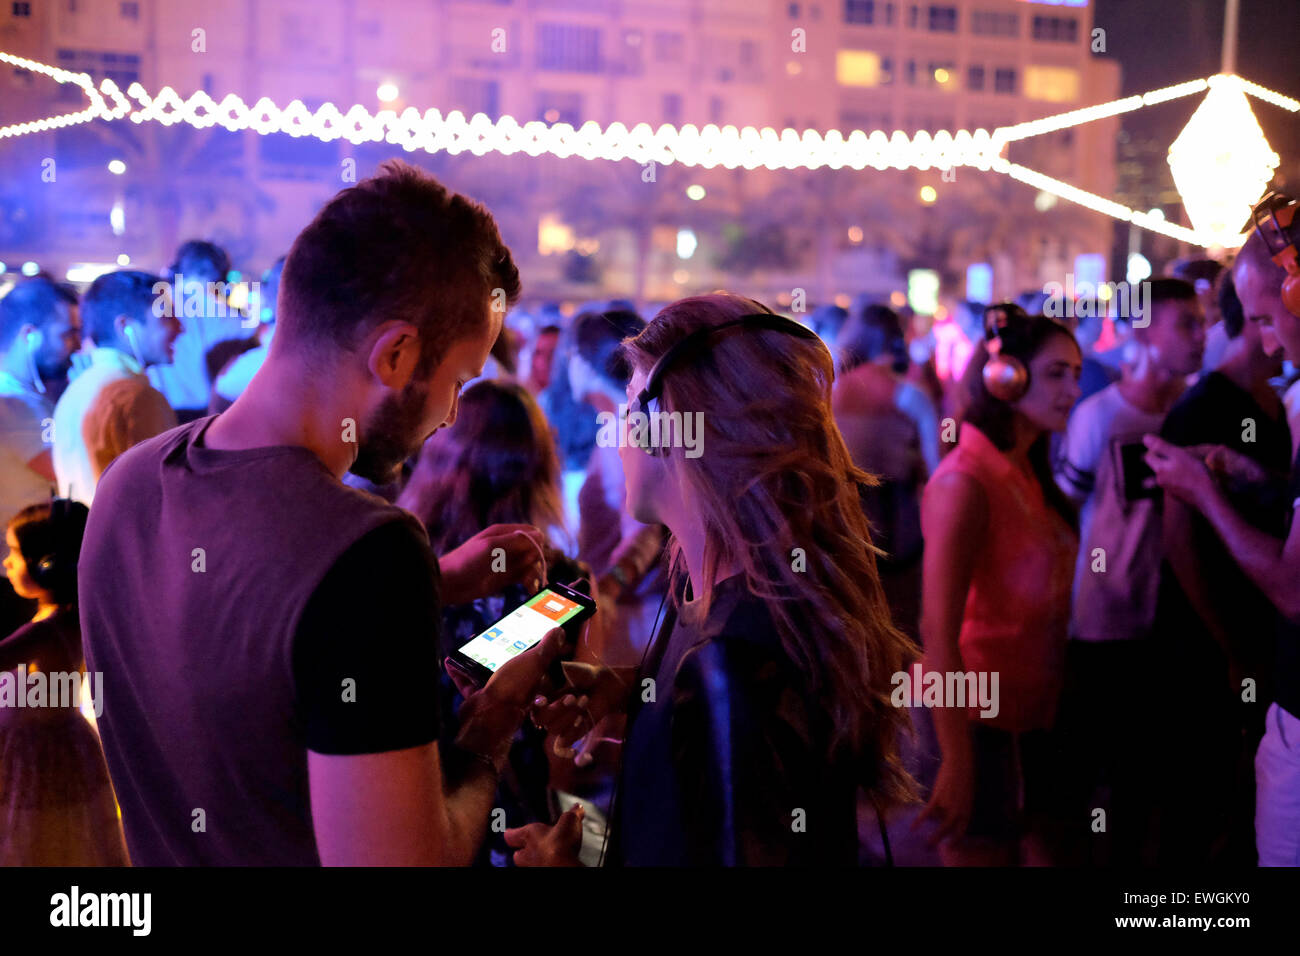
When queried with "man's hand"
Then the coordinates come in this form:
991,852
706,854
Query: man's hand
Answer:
540,845
1232,465
1179,471
476,569
490,716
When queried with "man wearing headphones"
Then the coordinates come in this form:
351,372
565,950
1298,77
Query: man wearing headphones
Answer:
1267,277
129,335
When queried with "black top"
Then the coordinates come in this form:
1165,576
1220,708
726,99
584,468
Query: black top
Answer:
725,760
1287,674
1215,411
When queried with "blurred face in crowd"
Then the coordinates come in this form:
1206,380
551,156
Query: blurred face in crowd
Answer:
155,337
16,570
1053,384
1261,301
60,338
1176,336
403,420
543,355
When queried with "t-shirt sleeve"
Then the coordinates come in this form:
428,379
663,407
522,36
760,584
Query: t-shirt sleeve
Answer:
365,654
1085,437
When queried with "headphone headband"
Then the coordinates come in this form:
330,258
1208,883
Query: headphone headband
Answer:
695,340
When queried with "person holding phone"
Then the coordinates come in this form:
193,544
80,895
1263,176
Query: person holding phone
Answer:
268,635
1000,546
1117,576
763,703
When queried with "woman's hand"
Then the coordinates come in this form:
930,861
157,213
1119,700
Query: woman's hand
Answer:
592,694
477,568
540,845
950,801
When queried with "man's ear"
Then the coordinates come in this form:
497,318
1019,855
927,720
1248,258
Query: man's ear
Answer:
394,353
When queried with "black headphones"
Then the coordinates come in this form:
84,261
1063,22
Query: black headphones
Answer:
48,571
648,399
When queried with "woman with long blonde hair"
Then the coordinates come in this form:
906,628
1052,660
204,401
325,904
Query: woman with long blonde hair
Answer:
763,704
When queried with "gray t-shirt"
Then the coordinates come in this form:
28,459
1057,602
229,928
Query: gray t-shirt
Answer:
1123,537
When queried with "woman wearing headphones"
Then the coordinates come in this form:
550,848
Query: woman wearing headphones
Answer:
1000,546
56,802
763,702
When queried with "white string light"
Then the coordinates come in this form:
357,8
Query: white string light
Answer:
729,147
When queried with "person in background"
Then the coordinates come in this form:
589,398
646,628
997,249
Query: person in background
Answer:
56,801
1214,626
892,432
1198,476
1000,547
541,359
826,321
209,319
1097,375
130,334
496,468
40,329
772,678
620,550
1116,581
233,363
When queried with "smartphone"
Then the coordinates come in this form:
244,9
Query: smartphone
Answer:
1135,474
555,605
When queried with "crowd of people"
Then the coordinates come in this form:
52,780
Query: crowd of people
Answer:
259,533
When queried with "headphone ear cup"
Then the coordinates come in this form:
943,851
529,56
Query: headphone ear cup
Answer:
1006,378
1291,294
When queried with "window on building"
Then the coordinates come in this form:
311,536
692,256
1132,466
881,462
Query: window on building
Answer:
975,78
72,6
672,108
129,10
889,14
1056,29
21,9
943,19
568,47
748,54
909,73
368,28
995,23
559,107
860,11
1054,84
669,47
793,10
471,95
857,68
630,59
717,110
913,16
122,68
1004,80
886,71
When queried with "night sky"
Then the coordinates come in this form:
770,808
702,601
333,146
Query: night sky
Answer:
1162,42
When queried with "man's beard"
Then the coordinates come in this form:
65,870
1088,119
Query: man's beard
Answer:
390,436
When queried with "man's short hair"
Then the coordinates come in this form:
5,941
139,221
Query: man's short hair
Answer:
207,261
1255,255
124,292
398,245
1234,316
32,302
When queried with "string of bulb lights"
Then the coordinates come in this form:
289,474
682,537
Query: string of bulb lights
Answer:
709,147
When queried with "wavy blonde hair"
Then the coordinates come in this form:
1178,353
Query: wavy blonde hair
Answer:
777,476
